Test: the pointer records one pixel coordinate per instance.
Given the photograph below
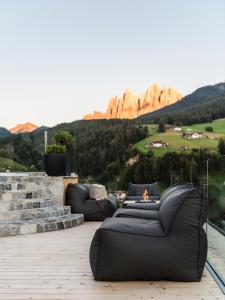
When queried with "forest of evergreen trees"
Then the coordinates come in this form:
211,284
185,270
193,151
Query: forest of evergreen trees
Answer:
102,149
202,113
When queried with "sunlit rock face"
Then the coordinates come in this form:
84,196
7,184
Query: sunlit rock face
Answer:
26,127
130,106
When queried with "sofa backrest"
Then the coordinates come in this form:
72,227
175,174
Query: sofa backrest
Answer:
193,213
187,208
139,189
172,189
80,192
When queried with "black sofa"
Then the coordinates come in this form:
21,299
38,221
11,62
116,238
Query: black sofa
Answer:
77,196
172,246
136,191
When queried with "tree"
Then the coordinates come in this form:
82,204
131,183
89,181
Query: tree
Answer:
221,146
162,126
209,129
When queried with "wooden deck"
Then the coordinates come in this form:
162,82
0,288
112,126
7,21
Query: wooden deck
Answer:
55,265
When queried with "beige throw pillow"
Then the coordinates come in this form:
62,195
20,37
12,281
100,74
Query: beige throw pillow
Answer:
97,191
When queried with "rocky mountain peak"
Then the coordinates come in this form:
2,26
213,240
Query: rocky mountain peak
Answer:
130,106
21,128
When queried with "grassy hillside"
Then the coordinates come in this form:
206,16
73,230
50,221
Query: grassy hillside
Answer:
217,125
176,142
6,163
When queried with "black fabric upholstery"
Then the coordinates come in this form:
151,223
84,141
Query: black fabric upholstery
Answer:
171,205
77,197
174,188
81,192
145,206
139,189
136,213
172,247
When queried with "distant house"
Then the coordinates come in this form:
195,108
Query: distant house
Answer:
197,135
177,129
193,135
157,144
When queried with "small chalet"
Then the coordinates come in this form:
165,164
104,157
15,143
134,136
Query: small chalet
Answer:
158,144
193,135
177,129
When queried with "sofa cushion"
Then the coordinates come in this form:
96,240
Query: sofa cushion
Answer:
96,191
133,226
139,189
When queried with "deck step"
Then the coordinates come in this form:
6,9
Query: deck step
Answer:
20,195
41,225
33,202
32,214
29,204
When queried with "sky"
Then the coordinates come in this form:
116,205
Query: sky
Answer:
62,59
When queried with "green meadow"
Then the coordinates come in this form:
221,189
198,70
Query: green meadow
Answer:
217,125
177,142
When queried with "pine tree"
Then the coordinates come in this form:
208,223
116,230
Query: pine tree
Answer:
221,146
162,126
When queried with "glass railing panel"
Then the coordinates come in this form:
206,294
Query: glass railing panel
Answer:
216,216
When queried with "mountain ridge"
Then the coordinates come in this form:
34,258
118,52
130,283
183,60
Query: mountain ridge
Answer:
200,97
24,127
4,132
130,105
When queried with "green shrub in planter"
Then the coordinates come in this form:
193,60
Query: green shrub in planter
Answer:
58,157
55,148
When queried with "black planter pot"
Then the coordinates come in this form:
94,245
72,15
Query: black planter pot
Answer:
57,164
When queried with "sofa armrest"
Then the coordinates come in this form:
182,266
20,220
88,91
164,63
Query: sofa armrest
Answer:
113,200
139,198
145,206
137,213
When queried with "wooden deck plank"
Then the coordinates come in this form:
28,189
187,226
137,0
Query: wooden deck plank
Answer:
55,266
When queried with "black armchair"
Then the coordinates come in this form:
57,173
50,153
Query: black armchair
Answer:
77,196
171,247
